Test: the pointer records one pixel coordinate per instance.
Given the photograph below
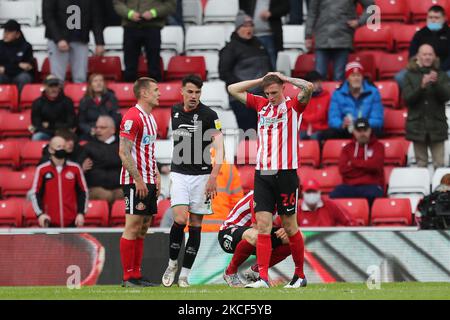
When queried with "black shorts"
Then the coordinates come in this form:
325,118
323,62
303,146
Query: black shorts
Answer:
229,238
142,207
276,190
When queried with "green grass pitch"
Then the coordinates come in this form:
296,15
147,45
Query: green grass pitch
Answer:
347,291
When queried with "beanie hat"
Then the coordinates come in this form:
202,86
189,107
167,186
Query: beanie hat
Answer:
353,67
242,18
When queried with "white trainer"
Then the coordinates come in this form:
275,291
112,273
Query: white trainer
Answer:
169,275
296,282
250,275
183,282
258,284
232,280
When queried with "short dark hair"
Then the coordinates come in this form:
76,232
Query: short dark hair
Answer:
194,79
271,79
437,8
313,76
66,134
142,83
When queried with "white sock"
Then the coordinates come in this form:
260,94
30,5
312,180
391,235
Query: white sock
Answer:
173,263
185,272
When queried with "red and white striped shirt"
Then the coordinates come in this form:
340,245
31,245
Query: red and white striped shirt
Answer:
242,215
140,128
278,131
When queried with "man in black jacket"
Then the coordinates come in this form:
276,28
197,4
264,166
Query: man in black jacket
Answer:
16,56
101,162
437,34
267,15
243,58
51,111
68,23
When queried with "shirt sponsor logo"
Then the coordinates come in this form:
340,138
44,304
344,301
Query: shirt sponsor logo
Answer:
148,139
70,176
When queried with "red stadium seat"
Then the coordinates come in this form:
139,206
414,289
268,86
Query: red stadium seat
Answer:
163,205
328,178
76,92
391,212
117,214
9,97
97,214
394,10
124,93
162,118
30,92
391,64
247,174
170,93
367,60
358,209
180,66
395,121
16,183
330,86
11,213
390,93
30,219
45,70
309,153
109,66
10,154
419,9
304,64
246,152
332,151
394,152
369,39
15,124
403,34
143,68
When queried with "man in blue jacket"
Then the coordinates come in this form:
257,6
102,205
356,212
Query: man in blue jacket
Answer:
356,98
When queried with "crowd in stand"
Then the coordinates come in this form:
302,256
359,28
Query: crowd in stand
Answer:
354,111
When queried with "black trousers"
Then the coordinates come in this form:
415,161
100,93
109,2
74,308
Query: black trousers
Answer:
133,41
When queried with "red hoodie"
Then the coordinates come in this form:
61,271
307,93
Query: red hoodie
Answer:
362,164
316,113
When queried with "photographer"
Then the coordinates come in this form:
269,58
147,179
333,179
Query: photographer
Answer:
434,210
426,90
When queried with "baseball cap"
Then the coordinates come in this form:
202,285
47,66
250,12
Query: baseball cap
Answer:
11,25
52,80
311,184
361,123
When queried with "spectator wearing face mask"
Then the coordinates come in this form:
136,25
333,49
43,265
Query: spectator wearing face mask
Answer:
59,193
437,34
361,165
71,145
315,211
315,117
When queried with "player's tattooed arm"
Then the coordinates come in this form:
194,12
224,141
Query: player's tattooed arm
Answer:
125,147
306,89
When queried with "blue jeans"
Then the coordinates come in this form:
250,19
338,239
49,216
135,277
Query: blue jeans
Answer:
339,57
38,136
269,43
20,80
370,192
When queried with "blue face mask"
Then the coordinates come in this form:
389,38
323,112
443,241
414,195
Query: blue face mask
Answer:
435,26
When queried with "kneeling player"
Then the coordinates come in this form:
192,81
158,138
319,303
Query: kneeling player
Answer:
238,235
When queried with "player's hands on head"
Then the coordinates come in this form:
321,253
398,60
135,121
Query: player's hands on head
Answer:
79,220
44,220
141,189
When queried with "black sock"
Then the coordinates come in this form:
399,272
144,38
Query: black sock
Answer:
192,246
176,240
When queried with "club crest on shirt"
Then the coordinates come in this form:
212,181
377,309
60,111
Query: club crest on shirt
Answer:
195,118
48,176
70,176
127,126
140,206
